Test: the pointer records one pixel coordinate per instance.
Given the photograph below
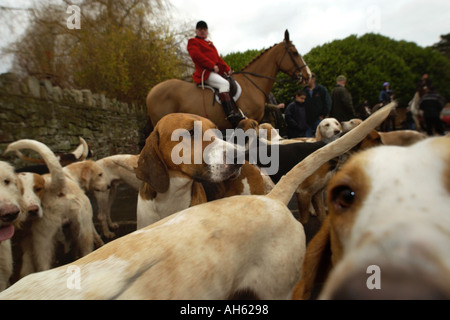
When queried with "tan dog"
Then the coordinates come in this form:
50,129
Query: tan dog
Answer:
204,160
392,138
351,124
402,138
402,235
242,246
63,200
118,169
329,129
12,210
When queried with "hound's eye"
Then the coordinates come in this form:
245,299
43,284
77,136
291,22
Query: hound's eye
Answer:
100,174
343,197
6,182
37,189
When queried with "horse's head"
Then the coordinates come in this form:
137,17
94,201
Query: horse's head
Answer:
292,63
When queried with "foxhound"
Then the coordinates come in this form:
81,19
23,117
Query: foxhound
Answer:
329,129
117,169
33,186
63,200
240,246
385,243
205,159
392,138
12,208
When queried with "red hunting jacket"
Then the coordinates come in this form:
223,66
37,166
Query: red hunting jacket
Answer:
205,57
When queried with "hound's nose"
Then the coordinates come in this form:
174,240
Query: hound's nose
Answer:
33,211
394,285
9,213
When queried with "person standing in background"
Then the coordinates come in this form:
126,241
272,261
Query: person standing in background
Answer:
341,101
318,105
295,115
432,104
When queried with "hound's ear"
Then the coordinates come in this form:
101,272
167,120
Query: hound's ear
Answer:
151,168
318,133
86,175
286,36
317,262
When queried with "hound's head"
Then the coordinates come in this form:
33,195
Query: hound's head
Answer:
190,145
12,207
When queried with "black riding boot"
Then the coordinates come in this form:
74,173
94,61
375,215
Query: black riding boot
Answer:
230,109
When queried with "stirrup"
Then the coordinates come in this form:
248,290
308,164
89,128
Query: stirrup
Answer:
235,118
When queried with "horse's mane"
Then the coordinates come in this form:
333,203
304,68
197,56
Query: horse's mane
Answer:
258,57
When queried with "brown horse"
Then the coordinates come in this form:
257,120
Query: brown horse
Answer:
256,80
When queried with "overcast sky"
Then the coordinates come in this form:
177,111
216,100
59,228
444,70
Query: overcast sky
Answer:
244,24
239,25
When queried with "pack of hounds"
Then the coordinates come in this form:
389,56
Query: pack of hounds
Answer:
217,231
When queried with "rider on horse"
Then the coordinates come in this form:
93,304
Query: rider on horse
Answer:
209,68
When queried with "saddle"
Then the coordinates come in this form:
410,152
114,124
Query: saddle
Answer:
235,89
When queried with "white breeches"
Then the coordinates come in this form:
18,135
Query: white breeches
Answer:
218,82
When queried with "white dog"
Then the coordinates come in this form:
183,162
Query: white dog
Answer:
11,213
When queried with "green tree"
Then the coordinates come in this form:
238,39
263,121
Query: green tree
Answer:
238,60
443,46
370,60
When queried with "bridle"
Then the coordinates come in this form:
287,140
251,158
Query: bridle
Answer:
294,62
298,69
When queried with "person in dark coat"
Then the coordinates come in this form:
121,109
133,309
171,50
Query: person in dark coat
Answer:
432,104
341,101
386,97
295,116
318,105
386,94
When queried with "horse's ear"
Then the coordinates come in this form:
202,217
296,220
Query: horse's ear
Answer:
286,36
151,168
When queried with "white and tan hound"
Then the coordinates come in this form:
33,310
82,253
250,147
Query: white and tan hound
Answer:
170,187
12,209
388,228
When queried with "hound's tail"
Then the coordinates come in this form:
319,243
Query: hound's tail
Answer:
286,187
56,171
79,154
82,151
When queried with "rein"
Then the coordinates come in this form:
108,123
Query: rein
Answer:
203,93
246,74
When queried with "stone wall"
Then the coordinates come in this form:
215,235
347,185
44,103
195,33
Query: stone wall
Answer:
34,109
